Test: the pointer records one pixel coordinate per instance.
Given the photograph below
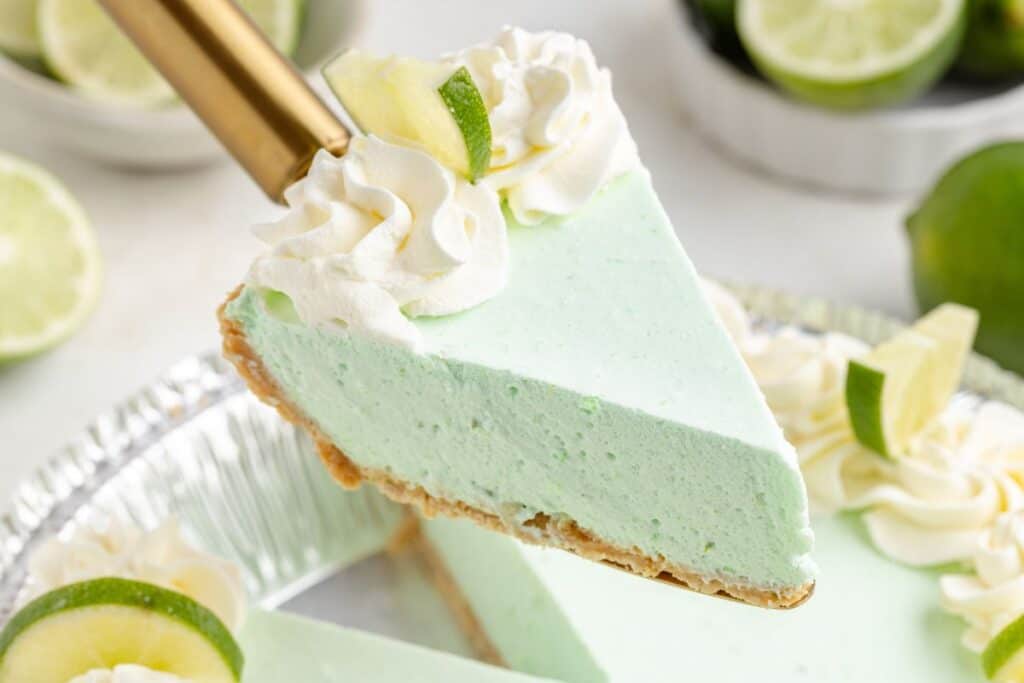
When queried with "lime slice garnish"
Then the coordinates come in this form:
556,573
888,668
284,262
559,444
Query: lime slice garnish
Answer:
432,106
50,269
852,54
18,34
898,388
84,47
1003,658
102,623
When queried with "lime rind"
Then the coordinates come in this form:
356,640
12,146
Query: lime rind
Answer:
467,107
866,415
1003,658
126,593
88,282
864,74
882,391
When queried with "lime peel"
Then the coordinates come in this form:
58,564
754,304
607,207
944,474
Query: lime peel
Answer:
1003,658
470,113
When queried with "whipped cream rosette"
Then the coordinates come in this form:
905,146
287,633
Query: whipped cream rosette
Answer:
730,311
383,232
162,557
993,597
959,475
558,135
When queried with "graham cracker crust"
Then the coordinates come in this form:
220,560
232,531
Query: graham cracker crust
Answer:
540,530
412,542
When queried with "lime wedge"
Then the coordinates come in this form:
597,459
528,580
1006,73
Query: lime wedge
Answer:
50,269
852,54
85,48
898,388
18,35
102,623
432,106
1003,658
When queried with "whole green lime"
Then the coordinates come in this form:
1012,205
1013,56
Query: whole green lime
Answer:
994,45
720,14
967,244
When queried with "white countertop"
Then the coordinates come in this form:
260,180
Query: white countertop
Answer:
176,243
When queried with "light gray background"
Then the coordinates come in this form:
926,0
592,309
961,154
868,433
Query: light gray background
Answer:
176,243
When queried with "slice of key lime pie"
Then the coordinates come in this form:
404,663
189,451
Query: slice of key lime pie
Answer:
483,310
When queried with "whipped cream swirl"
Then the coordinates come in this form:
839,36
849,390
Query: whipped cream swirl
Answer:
994,597
730,311
161,557
127,673
558,135
959,475
383,233
803,378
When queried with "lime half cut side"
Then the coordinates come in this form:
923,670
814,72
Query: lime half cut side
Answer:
904,383
107,622
50,269
86,49
852,54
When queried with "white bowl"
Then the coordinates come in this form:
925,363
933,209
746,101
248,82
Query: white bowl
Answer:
884,152
141,138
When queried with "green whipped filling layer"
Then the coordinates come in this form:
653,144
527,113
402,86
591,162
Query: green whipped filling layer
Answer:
280,647
598,385
551,614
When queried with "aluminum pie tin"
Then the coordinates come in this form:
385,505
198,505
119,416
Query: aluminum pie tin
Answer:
248,486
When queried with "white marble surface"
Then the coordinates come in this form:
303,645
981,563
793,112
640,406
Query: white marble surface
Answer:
176,243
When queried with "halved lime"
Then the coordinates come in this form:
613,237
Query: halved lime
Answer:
18,34
1003,658
852,54
105,622
432,106
50,269
280,20
84,47
898,388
